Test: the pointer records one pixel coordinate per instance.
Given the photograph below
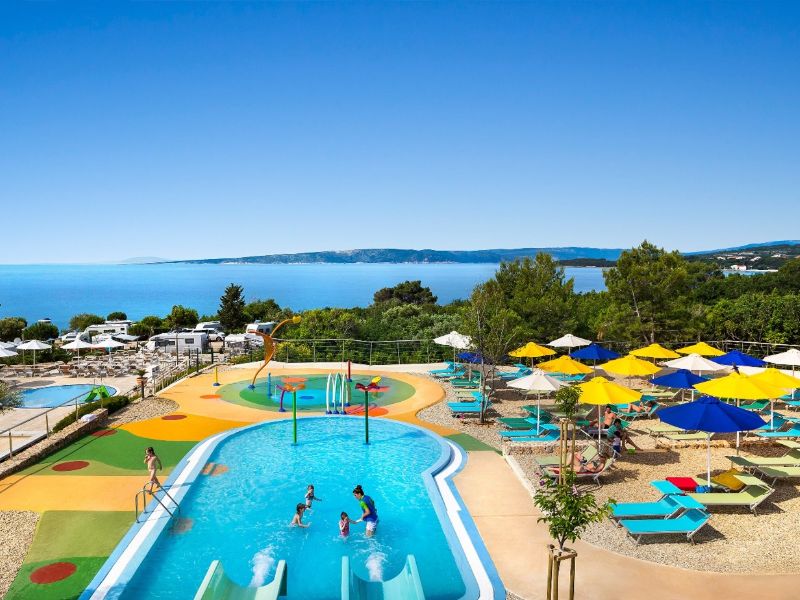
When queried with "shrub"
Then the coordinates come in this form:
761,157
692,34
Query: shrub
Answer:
112,404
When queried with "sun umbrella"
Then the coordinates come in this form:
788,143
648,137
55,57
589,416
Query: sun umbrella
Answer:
696,364
680,379
780,379
594,352
470,357
789,358
6,353
107,344
630,366
712,416
33,345
531,350
740,387
600,391
702,349
537,382
569,341
455,340
7,345
656,351
738,359
77,344
566,365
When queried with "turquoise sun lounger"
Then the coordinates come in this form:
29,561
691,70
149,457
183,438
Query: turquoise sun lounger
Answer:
545,435
666,507
688,524
789,433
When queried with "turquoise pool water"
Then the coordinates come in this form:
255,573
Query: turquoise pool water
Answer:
242,516
56,395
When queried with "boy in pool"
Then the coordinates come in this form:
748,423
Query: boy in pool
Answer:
369,514
153,464
310,497
344,525
297,519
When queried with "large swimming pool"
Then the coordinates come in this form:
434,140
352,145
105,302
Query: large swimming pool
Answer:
56,395
241,514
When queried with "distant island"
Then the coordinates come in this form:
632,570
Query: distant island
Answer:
765,255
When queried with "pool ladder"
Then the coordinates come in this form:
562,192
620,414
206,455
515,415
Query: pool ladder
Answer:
176,509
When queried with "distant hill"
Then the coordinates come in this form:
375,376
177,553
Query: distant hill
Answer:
752,256
141,260
568,256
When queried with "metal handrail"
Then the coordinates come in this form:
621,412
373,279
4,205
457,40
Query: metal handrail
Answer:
143,493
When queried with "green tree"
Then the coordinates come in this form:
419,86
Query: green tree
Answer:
40,331
181,317
11,328
117,315
231,308
83,320
756,317
494,328
407,292
538,291
649,291
148,326
9,398
265,310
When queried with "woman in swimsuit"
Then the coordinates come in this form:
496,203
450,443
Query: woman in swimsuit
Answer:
153,464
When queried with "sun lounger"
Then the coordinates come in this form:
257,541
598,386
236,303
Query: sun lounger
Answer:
520,422
645,414
531,431
776,473
587,474
545,435
685,437
588,453
790,459
793,432
688,524
665,507
757,406
470,408
753,494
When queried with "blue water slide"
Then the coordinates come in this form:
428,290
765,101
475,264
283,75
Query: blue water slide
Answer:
404,586
218,586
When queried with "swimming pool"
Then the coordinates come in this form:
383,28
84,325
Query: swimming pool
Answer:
56,395
241,516
267,392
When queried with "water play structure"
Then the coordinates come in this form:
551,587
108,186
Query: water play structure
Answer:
336,388
269,345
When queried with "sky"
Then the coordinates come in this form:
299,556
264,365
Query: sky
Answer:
184,130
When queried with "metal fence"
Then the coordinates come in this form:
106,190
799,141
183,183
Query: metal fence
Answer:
754,348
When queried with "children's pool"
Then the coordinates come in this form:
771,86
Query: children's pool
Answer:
56,395
241,515
268,391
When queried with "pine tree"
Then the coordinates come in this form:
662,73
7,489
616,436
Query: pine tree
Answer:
231,308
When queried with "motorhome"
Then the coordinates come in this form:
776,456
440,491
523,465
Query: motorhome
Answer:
260,327
212,328
109,327
183,341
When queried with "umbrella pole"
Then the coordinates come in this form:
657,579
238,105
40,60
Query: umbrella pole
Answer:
737,433
538,415
708,460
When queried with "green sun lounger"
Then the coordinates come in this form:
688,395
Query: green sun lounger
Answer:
688,524
754,493
757,406
684,437
666,507
588,453
776,473
790,459
521,422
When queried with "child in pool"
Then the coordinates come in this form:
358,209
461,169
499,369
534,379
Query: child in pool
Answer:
310,497
344,524
297,519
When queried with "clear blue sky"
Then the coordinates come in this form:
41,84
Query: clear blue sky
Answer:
198,130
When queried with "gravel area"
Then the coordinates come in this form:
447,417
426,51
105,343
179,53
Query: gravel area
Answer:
143,409
729,543
16,534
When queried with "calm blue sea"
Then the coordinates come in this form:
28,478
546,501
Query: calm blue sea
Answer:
60,291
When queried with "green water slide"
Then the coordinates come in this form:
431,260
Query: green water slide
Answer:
218,586
404,586
98,392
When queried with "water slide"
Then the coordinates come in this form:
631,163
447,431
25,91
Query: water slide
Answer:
218,586
404,586
98,392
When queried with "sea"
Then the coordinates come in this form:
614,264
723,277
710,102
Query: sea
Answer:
58,292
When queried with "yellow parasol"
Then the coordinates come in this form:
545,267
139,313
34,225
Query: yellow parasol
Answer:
566,365
630,366
777,378
655,351
742,387
702,349
601,391
532,350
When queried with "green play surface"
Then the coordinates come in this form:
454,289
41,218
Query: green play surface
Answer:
120,453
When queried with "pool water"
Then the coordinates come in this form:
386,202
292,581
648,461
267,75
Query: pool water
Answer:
56,395
242,516
267,395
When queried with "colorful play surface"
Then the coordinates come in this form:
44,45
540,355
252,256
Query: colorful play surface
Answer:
315,388
56,395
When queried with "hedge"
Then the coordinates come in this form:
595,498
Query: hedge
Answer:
113,404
